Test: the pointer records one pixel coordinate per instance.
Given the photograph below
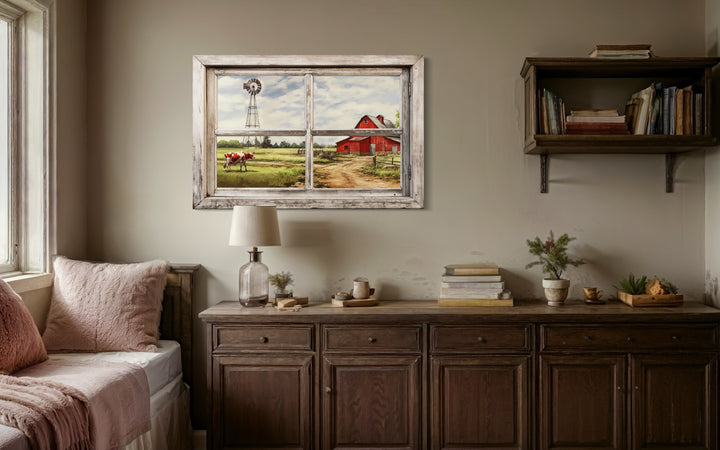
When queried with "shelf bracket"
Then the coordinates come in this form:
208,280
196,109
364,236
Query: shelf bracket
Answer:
543,173
669,172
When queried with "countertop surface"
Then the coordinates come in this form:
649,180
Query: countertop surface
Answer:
429,311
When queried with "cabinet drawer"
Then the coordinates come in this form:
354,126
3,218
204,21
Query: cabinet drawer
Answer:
372,338
629,337
480,338
266,337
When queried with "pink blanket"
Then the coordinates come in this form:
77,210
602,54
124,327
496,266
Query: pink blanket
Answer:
51,415
118,397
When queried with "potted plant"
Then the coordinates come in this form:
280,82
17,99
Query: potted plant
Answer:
281,281
644,292
553,259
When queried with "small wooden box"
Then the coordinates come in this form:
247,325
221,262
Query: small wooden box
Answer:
650,300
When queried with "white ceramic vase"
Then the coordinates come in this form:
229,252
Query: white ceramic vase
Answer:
556,291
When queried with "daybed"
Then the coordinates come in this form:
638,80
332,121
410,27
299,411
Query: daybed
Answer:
161,380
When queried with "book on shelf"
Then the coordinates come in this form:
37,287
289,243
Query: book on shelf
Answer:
595,119
594,112
473,285
471,292
671,110
665,111
621,51
551,111
471,278
476,302
688,108
698,114
596,128
471,269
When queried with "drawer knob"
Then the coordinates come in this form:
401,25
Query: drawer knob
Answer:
264,340
372,340
619,388
629,339
481,339
588,338
675,338
327,389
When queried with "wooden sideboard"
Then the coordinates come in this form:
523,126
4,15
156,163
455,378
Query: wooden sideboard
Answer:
413,375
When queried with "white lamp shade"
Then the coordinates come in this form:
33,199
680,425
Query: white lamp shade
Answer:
254,226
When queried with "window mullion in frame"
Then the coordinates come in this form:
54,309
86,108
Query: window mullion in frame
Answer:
309,125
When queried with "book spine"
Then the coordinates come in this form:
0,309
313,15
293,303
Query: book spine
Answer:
665,114
472,271
474,302
679,118
470,278
672,110
698,114
470,293
687,108
552,117
474,285
657,122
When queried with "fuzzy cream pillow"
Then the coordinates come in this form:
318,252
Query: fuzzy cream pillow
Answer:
98,307
20,343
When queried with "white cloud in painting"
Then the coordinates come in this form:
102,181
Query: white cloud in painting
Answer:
340,101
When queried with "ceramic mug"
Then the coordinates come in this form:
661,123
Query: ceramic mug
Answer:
591,293
361,288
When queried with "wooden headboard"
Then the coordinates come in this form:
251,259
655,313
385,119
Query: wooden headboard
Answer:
176,322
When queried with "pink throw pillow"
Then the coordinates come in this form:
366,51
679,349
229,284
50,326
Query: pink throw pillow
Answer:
20,343
98,307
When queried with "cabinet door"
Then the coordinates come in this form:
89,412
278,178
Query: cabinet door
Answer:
261,402
582,402
371,402
674,401
479,402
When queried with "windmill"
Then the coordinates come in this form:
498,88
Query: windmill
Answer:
253,86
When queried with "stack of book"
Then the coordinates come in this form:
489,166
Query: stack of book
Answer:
666,110
596,121
622,51
473,285
551,113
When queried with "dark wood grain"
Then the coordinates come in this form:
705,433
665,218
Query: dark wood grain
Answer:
371,338
582,402
480,338
262,402
268,337
674,401
371,402
480,402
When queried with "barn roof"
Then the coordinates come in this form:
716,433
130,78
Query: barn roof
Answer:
384,124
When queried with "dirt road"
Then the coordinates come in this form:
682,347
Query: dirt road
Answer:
347,174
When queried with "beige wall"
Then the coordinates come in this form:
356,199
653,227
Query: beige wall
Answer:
482,198
712,167
72,203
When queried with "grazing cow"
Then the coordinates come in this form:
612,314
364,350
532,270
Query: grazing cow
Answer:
233,158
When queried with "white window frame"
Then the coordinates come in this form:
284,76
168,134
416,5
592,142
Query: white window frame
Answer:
206,194
33,164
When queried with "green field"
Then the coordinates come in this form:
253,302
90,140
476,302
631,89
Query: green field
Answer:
285,167
271,167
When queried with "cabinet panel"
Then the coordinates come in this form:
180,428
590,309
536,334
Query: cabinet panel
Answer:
479,402
480,338
371,402
372,338
262,402
674,401
253,337
582,402
629,338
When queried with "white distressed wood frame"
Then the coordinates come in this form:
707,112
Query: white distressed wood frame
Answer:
206,194
33,134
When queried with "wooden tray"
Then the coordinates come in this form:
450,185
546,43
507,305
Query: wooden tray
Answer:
372,301
650,300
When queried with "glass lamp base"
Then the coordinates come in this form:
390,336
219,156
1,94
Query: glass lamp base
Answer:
254,301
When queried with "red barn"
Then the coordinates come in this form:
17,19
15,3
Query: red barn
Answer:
370,145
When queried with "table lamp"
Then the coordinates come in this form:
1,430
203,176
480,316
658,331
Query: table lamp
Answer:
254,226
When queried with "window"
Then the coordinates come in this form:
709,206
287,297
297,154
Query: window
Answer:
308,132
26,136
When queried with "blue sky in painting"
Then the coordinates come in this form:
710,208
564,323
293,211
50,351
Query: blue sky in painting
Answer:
340,101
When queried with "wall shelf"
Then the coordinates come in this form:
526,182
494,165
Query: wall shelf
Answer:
580,77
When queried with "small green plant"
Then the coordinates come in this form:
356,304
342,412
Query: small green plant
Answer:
281,280
668,286
552,255
632,285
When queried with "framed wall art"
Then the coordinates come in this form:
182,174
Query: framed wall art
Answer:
308,131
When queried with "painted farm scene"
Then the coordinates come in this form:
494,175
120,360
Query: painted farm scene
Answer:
254,102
